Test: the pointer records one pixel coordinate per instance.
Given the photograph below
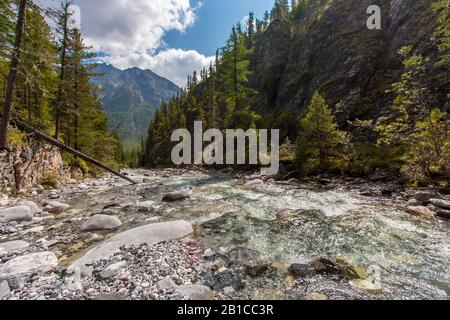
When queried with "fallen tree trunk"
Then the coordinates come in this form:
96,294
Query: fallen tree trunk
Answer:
40,135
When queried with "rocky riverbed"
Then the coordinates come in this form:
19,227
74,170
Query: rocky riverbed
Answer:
192,234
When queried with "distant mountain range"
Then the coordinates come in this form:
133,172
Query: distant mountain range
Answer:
130,98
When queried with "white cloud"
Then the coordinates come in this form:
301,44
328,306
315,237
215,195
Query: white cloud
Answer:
176,64
173,64
130,33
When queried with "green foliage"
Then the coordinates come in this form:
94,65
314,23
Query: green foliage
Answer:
245,119
234,72
49,180
411,103
280,10
442,32
319,139
219,98
429,152
288,150
414,135
83,123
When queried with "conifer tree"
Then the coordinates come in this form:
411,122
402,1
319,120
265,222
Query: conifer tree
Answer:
37,77
65,34
235,72
319,137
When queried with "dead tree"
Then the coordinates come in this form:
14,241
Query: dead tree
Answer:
42,136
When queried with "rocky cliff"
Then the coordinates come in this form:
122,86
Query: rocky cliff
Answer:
329,48
28,167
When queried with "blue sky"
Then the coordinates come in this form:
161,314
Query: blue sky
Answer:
213,25
171,37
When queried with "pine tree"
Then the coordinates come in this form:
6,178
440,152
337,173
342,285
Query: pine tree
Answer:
37,77
234,72
429,152
442,32
251,30
280,10
411,104
319,137
65,32
12,77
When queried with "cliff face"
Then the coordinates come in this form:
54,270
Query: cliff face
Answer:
24,168
329,48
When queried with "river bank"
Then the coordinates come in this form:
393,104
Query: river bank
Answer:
229,236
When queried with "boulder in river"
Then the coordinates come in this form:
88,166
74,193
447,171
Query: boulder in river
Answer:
12,246
16,213
422,196
250,259
176,196
444,204
421,211
33,206
101,222
254,182
147,234
56,206
33,263
299,270
338,267
440,212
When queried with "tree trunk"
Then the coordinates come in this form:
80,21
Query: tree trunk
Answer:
59,102
12,78
40,135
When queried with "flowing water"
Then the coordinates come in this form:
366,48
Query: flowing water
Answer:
408,256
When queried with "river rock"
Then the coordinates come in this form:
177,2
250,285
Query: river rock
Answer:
209,254
33,263
4,200
299,270
56,206
33,206
145,206
250,259
176,196
195,292
37,229
12,246
4,289
365,285
286,215
338,267
422,196
421,211
444,204
167,284
112,270
148,234
101,222
16,213
315,296
254,182
442,213
331,267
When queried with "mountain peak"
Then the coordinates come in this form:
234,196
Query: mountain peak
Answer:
131,97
